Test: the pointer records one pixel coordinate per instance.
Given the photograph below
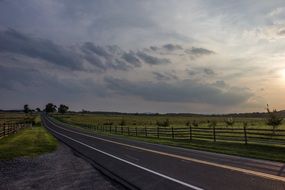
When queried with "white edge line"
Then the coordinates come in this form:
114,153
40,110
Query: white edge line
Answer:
128,162
246,171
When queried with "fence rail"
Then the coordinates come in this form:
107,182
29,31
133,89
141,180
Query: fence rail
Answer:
11,128
215,134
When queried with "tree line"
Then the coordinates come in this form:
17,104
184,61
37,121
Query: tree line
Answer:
49,108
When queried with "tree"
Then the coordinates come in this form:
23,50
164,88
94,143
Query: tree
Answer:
212,124
50,108
273,119
26,108
230,122
38,109
62,108
195,123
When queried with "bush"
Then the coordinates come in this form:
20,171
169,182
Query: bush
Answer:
195,123
229,121
122,122
163,123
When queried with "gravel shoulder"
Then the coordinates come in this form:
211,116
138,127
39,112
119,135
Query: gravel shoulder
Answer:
61,169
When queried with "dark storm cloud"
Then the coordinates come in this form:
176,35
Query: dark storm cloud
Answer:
11,78
101,57
131,58
180,91
12,41
200,71
154,48
96,49
164,76
172,47
199,51
151,59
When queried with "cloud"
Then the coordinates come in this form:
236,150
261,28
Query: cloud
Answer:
172,47
101,57
164,76
12,41
281,32
151,59
131,58
197,52
96,49
181,91
208,71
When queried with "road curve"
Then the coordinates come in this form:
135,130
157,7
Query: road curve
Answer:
149,166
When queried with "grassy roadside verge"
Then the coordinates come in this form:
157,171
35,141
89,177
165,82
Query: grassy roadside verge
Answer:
27,142
265,152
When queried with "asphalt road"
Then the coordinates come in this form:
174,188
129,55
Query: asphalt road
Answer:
143,165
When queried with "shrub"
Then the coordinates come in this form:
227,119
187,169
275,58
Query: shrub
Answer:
195,123
229,122
212,124
164,123
122,122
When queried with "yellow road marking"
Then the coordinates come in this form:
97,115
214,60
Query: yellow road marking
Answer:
246,171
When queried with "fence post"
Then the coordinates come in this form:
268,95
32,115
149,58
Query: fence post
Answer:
214,133
245,134
122,130
172,133
157,132
4,127
136,131
128,131
190,132
145,131
110,129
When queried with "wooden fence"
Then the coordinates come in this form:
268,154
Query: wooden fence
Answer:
217,133
11,128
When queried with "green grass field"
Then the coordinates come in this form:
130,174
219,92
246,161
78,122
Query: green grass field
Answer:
26,142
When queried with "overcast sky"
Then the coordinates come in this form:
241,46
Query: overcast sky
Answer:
199,56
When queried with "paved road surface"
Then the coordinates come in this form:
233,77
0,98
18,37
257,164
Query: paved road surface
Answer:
143,165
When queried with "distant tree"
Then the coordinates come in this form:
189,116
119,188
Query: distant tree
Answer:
38,109
62,108
229,122
245,124
212,124
164,123
188,123
195,123
273,119
26,109
50,108
122,122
